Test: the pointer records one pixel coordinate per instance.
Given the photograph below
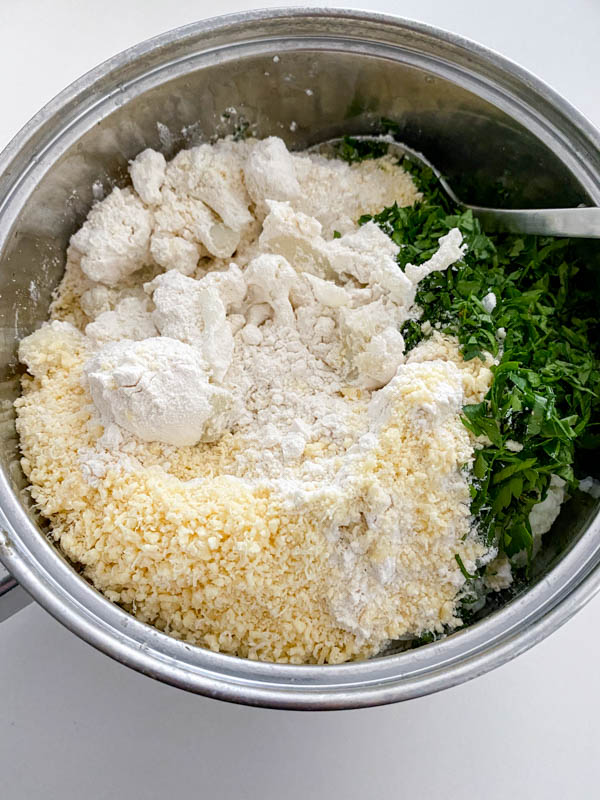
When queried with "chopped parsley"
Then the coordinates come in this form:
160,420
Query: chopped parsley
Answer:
354,150
543,406
463,569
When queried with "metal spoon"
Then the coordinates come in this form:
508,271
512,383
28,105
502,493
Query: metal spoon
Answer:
576,222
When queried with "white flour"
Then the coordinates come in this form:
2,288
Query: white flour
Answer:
290,362
591,486
114,240
158,389
285,344
291,399
130,319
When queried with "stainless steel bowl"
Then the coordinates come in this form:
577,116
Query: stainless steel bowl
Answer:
305,75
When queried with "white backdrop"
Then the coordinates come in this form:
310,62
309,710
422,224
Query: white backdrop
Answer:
75,724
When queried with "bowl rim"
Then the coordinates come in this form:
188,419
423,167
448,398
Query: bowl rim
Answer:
48,577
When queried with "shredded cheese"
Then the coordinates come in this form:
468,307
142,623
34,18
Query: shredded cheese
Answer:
230,567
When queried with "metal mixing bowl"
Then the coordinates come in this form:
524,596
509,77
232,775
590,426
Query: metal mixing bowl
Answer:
304,75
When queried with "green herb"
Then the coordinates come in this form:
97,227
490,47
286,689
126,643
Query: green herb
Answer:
543,405
337,235
425,638
390,126
354,150
463,569
241,130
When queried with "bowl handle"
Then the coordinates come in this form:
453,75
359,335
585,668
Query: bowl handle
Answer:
12,596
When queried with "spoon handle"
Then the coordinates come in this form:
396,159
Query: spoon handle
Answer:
576,222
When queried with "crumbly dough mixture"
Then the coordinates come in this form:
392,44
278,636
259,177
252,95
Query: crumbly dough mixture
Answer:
220,421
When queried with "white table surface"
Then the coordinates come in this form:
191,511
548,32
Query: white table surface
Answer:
74,724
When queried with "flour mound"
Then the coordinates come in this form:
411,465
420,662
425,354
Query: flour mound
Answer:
115,239
158,389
